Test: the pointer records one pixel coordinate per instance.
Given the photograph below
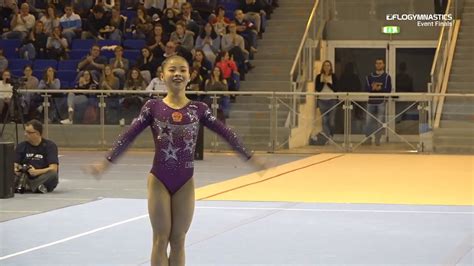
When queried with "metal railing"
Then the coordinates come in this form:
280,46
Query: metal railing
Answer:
345,141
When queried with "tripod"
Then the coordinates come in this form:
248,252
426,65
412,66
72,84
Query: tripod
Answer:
16,113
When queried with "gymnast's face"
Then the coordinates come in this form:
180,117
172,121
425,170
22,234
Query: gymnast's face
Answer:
176,74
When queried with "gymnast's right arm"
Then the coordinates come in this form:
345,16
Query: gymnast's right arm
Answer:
124,140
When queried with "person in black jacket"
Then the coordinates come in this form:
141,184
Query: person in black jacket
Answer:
326,82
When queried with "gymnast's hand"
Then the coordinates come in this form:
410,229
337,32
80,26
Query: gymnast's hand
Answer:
96,169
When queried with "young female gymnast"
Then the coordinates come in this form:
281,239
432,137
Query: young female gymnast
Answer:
174,122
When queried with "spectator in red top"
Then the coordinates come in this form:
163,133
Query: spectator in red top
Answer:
220,22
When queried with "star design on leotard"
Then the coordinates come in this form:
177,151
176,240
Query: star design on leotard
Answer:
146,110
170,152
192,114
165,133
209,114
189,145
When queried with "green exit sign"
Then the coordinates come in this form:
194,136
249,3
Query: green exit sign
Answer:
391,29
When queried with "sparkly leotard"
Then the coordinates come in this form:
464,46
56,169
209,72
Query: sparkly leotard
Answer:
175,133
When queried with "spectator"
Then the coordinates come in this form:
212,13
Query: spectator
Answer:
254,11
229,70
97,24
119,65
93,62
377,82
135,81
50,20
183,37
154,7
209,42
233,40
192,19
108,5
204,66
157,84
41,156
157,41
170,49
147,64
31,83
133,102
196,82
6,92
175,4
7,8
326,82
83,7
3,61
86,82
169,20
21,23
56,47
108,81
117,22
71,24
220,22
218,83
247,30
35,45
205,8
141,25
49,82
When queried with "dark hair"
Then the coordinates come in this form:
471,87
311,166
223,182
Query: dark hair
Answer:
27,67
36,125
202,52
45,74
171,58
380,59
98,9
203,32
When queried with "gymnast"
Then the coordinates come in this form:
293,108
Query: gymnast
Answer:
174,123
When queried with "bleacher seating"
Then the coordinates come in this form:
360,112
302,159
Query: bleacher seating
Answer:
43,64
18,64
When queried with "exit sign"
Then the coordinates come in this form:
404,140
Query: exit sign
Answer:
391,29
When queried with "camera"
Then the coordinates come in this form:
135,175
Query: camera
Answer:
21,180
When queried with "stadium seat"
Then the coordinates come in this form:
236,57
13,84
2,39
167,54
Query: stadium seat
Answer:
78,54
18,64
42,64
134,44
131,55
66,77
9,48
68,65
82,44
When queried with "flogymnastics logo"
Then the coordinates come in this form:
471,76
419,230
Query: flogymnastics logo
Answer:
424,20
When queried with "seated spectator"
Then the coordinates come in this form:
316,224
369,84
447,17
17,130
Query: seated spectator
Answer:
129,4
170,49
71,24
35,45
192,19
108,80
117,21
217,83
92,62
97,25
119,65
50,20
196,82
204,66
56,47
229,70
3,61
133,102
247,30
254,11
175,5
6,92
156,41
209,42
108,5
141,25
7,8
220,22
147,64
233,40
31,83
49,82
83,8
205,8
157,84
21,23
168,21
183,37
41,155
86,82
58,6
154,7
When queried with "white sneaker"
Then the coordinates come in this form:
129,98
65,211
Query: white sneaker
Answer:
66,122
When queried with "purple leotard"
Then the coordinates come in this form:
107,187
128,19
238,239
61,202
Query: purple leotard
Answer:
174,132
